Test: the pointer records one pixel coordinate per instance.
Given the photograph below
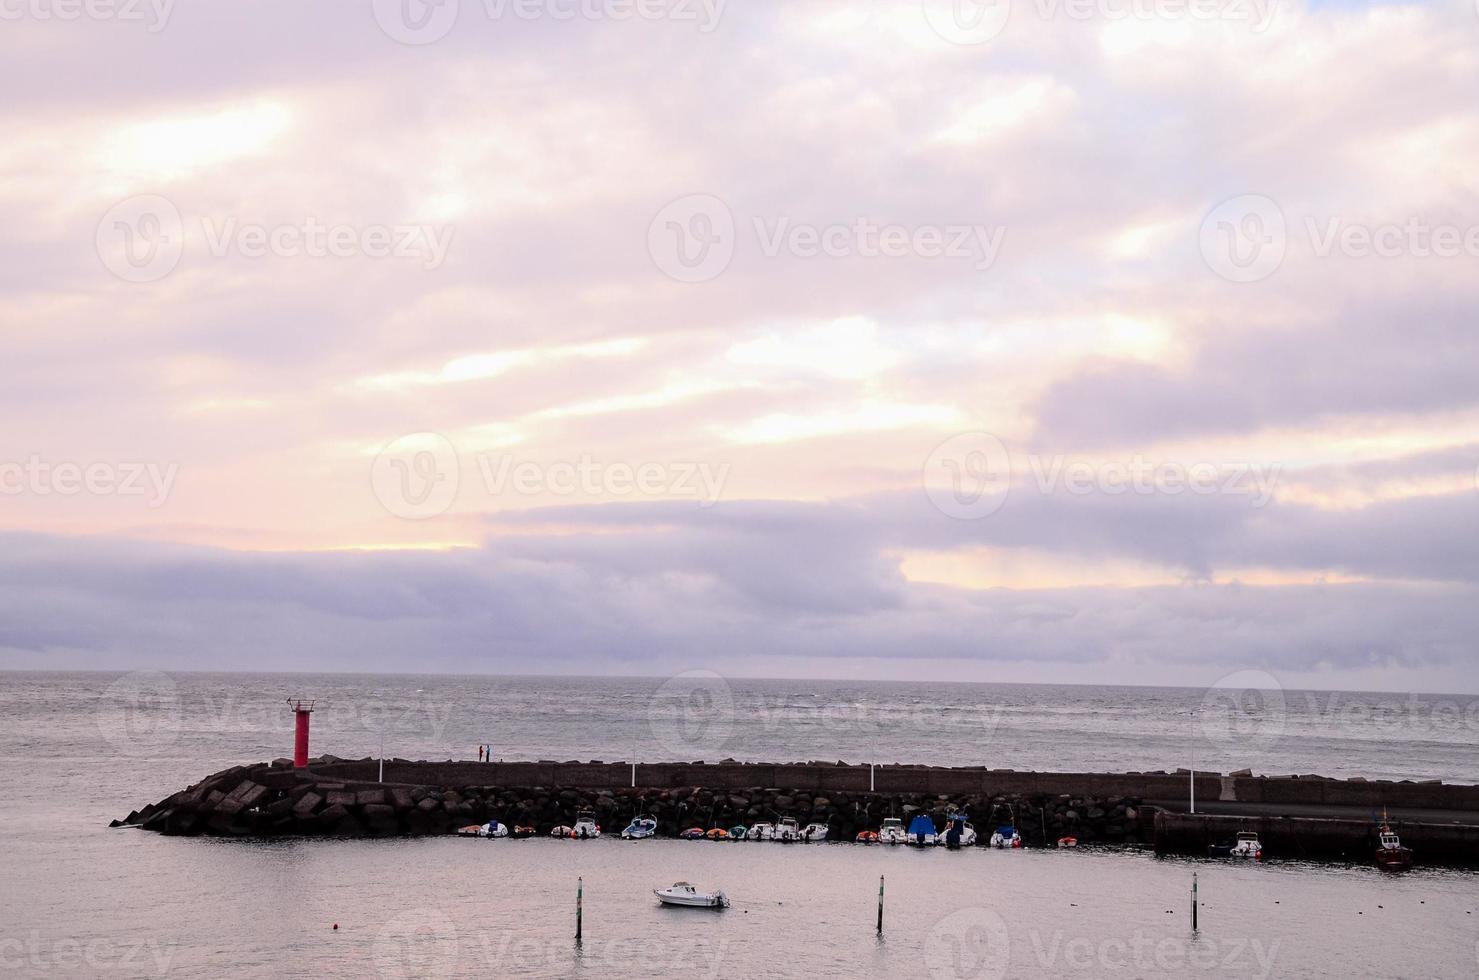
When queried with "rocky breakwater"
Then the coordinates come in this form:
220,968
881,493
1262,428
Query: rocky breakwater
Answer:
273,799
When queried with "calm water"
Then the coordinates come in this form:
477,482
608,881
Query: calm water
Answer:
78,900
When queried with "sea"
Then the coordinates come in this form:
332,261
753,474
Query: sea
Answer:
79,899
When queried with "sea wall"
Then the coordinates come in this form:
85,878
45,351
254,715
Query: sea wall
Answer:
332,799
838,777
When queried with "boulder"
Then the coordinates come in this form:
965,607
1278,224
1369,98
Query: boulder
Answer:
306,804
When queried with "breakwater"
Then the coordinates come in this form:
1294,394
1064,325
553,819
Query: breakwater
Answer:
337,797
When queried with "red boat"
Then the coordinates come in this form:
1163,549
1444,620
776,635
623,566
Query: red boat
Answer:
1390,854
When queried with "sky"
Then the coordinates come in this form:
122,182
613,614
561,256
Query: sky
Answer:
1113,341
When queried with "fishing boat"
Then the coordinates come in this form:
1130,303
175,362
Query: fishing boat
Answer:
866,837
892,831
814,832
761,831
692,833
921,831
490,829
640,828
1391,855
1006,837
958,832
787,830
718,833
1245,846
685,895
585,827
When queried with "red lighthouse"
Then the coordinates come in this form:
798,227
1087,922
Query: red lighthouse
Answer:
301,710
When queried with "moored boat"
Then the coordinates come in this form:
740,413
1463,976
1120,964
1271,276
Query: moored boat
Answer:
685,895
1245,846
921,831
522,831
958,832
692,833
1006,838
787,830
760,831
738,832
814,832
562,831
718,833
490,829
866,837
892,831
1391,855
1068,842
585,827
640,828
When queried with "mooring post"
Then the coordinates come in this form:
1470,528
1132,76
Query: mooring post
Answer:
579,901
1193,901
880,905
870,777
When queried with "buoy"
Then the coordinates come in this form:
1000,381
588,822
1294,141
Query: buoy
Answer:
336,927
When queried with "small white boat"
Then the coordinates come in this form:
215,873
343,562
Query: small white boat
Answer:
761,831
640,828
684,894
490,829
958,832
892,831
585,825
813,832
1006,837
787,830
1246,846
